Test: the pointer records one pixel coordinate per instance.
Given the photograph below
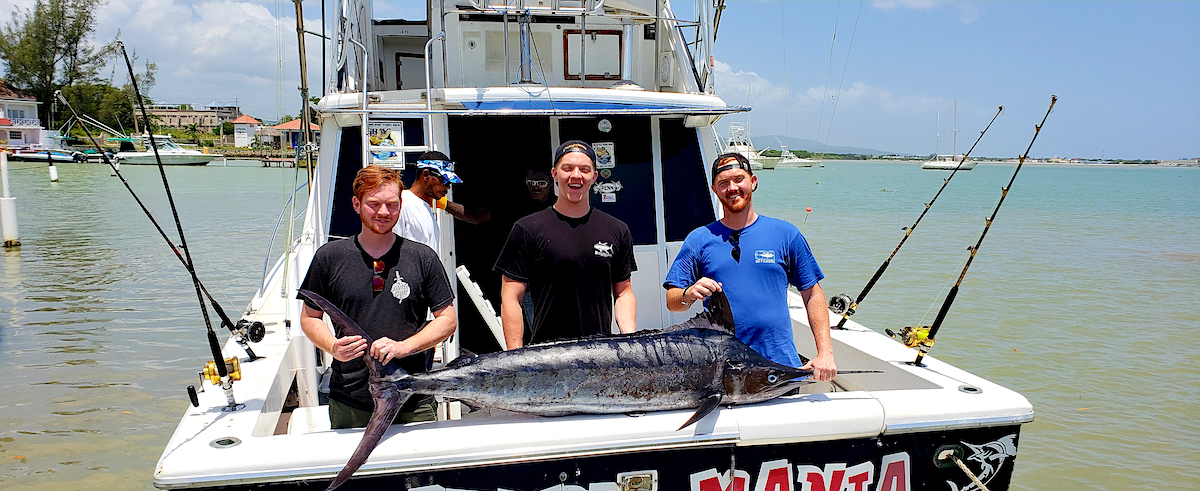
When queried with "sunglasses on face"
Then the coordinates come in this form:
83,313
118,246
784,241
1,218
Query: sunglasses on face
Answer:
735,239
537,183
377,281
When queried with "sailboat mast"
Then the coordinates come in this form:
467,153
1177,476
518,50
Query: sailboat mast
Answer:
783,47
954,149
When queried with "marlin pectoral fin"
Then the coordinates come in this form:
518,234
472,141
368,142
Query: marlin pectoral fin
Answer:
707,405
385,411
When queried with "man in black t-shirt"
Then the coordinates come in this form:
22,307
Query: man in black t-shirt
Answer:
386,284
575,260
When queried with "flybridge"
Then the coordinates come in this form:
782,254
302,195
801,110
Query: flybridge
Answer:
555,43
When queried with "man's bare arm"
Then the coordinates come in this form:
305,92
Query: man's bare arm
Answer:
626,306
823,366
512,301
343,349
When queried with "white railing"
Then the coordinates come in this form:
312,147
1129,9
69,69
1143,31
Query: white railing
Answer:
26,122
555,6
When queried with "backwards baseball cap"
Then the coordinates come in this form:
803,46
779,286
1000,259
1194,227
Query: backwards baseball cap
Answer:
728,161
574,146
440,164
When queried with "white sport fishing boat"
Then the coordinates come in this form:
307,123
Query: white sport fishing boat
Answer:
169,151
789,159
739,142
638,84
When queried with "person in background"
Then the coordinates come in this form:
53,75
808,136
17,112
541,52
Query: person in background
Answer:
386,284
753,258
418,218
575,260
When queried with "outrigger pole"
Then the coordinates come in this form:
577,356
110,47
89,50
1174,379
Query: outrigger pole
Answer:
240,333
925,344
842,304
226,382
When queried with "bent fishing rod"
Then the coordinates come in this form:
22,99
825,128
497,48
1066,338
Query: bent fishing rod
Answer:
243,333
926,343
842,303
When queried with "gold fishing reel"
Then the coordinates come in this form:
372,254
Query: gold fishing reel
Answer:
912,337
232,366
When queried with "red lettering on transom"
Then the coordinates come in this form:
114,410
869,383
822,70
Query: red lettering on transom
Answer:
895,472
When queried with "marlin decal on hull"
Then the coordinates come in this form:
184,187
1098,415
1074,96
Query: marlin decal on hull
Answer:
697,364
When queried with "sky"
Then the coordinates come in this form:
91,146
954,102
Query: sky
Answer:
1127,74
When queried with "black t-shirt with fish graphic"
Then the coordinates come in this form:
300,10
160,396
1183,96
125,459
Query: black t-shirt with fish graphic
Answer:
414,283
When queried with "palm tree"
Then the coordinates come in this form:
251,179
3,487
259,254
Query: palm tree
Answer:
193,130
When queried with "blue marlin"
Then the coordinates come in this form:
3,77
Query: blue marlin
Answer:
698,364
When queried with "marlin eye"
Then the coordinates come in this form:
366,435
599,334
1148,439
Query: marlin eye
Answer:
771,379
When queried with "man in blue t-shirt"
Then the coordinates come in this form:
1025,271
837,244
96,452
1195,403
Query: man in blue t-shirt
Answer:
753,258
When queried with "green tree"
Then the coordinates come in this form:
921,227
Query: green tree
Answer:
192,130
46,48
108,104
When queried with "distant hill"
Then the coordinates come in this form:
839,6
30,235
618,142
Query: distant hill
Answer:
773,141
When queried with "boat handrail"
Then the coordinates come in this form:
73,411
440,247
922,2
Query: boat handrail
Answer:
275,232
555,7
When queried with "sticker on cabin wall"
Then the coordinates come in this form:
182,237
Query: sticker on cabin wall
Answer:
607,190
383,135
605,158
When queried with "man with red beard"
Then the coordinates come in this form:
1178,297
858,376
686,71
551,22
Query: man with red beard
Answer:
753,258
575,260
386,284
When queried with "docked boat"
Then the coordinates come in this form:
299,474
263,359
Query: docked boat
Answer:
954,161
638,85
56,156
739,142
169,151
789,159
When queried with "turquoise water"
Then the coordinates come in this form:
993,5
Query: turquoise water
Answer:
1083,297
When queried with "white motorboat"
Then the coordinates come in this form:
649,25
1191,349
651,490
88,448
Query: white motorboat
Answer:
56,156
739,142
882,431
789,159
169,151
954,161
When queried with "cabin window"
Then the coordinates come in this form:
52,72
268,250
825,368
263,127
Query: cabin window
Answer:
15,135
686,198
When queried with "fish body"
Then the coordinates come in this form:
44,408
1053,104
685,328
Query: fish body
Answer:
698,364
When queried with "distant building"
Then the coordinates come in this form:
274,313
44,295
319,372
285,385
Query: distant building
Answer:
291,133
207,117
244,129
20,126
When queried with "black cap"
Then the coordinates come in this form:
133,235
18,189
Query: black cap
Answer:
574,146
728,161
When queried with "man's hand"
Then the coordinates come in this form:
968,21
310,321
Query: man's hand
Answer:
348,348
700,290
384,350
823,367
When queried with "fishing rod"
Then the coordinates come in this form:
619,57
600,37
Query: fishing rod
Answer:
244,332
222,373
842,303
923,345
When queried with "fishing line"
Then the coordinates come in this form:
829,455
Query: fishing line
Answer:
927,343
842,82
845,306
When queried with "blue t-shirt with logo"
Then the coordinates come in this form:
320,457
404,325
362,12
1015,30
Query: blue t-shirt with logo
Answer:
773,254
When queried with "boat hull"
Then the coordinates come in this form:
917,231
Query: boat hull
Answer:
56,157
891,462
947,165
167,159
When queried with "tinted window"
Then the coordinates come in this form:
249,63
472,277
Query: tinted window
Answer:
685,187
633,176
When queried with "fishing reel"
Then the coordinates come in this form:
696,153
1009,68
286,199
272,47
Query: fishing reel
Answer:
842,303
253,331
912,337
232,366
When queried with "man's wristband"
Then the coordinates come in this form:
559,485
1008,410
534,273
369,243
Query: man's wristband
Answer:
683,299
